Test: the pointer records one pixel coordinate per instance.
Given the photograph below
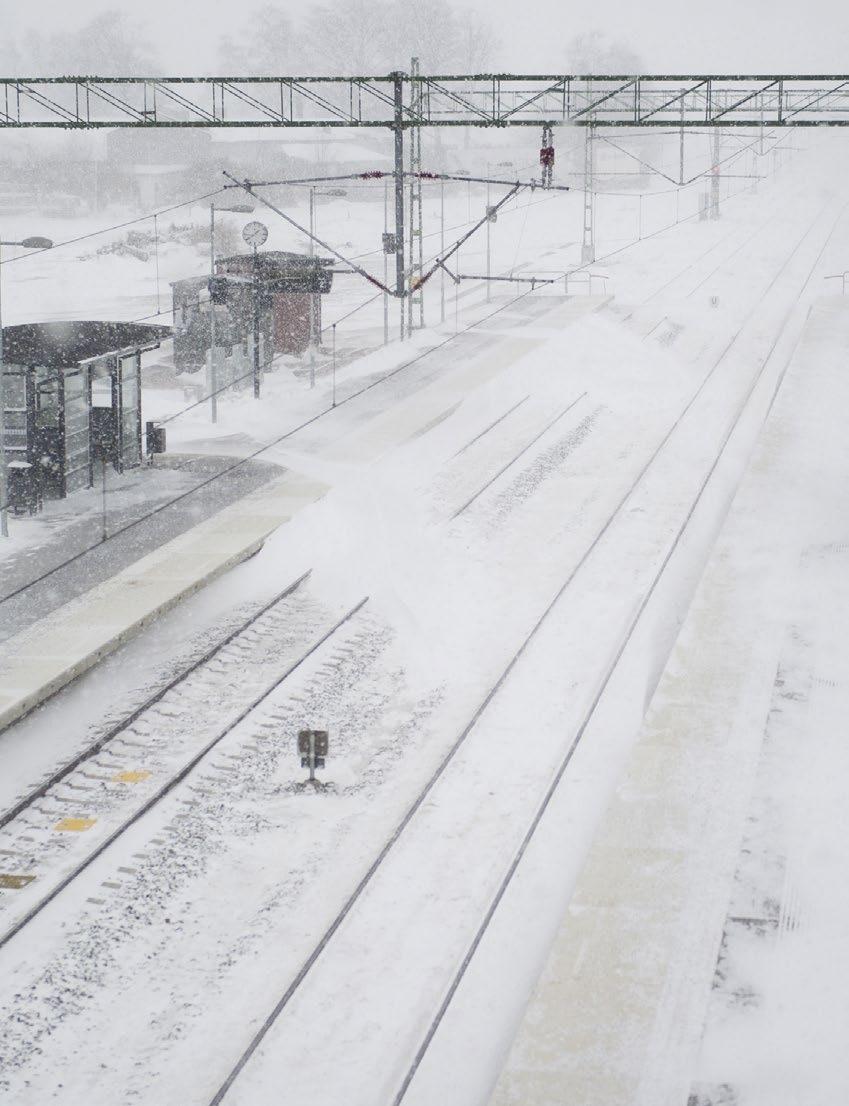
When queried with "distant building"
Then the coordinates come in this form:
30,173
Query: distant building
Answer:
152,167
287,300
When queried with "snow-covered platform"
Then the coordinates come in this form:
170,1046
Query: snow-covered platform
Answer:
39,661
703,955
36,663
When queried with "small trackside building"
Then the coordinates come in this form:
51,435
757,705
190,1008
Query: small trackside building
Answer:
283,288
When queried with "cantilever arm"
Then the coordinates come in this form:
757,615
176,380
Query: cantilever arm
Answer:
248,187
440,261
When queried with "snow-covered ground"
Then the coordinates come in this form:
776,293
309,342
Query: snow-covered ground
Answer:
528,557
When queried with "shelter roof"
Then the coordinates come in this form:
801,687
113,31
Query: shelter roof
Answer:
65,344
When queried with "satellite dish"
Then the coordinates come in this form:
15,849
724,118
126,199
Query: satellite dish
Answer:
255,234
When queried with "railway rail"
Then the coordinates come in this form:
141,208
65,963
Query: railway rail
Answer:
67,771
397,834
105,791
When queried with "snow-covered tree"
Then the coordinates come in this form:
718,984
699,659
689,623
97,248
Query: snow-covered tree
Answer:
109,45
267,45
596,52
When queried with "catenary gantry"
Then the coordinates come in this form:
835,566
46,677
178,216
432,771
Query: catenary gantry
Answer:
482,100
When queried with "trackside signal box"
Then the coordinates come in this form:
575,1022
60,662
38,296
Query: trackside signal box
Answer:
313,745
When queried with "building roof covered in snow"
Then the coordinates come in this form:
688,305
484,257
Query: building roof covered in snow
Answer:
64,344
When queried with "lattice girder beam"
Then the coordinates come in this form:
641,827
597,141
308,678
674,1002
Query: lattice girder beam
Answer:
478,100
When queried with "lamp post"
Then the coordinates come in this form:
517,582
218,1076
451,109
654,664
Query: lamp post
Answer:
255,235
441,252
386,262
244,209
31,243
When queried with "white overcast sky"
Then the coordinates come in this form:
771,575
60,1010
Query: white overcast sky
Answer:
754,36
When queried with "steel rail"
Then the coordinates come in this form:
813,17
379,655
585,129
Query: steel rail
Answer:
483,706
127,720
551,790
174,780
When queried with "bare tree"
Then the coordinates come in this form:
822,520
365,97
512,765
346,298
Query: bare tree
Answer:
343,37
108,45
595,52
426,30
477,44
348,36
266,46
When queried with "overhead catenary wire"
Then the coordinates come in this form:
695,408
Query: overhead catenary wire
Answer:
252,455
262,449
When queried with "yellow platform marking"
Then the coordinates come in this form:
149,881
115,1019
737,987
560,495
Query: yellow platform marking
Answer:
74,825
14,883
135,776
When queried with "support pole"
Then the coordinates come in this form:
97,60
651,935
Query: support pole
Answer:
312,294
385,263
488,250
398,128
103,531
415,267
4,509
681,149
156,261
213,379
442,251
256,326
588,241
334,365
715,177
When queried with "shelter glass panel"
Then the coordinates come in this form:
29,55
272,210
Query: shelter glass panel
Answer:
128,369
15,414
49,446
77,431
101,383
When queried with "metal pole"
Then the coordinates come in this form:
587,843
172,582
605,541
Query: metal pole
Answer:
681,151
385,263
256,327
398,127
312,294
714,177
213,379
410,264
588,240
441,252
4,521
488,254
156,260
103,532
334,365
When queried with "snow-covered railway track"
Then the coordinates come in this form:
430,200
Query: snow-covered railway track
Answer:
430,985
509,464
90,750
359,907
53,835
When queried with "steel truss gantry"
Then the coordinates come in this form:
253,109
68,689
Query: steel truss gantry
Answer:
409,101
481,100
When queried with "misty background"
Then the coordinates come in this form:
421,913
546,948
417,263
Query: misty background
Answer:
203,37
84,175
